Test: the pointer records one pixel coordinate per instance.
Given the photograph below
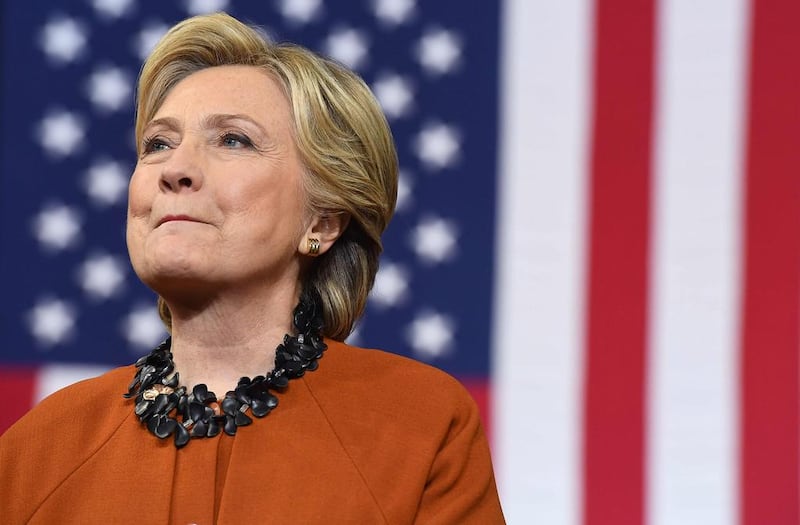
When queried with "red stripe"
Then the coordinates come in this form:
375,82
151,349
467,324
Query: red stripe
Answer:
771,306
17,387
613,436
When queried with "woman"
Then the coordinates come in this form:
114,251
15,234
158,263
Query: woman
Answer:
265,178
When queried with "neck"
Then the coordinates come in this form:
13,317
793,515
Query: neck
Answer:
230,337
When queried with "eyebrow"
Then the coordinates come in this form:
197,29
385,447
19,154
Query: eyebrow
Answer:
167,122
215,120
218,120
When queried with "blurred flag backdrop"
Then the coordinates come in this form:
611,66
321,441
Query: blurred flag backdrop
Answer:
598,229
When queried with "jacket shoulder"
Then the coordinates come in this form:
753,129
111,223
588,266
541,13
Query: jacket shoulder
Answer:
98,396
58,435
413,432
378,377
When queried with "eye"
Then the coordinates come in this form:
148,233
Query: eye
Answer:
153,145
235,140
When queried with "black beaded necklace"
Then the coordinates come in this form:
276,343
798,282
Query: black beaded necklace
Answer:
155,385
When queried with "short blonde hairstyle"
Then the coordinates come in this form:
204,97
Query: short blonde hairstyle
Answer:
341,133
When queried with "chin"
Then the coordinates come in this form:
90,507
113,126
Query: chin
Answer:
175,268
175,253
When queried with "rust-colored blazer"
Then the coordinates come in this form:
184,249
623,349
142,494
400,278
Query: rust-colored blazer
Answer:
369,437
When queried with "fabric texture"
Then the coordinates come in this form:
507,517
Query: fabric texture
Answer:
370,437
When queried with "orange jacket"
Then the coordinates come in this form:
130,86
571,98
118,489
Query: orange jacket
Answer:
369,437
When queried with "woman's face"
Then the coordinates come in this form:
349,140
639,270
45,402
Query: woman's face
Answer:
216,199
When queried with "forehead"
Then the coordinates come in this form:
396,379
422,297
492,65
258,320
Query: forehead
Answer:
227,89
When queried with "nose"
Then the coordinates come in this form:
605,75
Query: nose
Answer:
183,170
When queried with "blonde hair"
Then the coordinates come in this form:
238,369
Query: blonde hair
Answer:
341,133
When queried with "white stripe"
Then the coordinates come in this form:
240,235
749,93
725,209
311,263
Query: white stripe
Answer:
694,301
51,378
537,336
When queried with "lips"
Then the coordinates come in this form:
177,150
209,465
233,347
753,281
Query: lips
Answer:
173,218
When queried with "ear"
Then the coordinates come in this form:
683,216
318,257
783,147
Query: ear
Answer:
326,229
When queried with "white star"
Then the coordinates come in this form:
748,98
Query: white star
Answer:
439,51
63,40
395,94
300,11
434,240
57,227
394,12
61,133
391,285
438,145
430,334
109,88
51,321
348,46
404,187
202,7
106,182
148,37
54,376
102,276
111,9
143,328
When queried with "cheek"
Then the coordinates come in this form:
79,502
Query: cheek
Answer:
140,197
139,205
280,208
134,238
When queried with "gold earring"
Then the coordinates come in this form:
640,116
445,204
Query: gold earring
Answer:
313,246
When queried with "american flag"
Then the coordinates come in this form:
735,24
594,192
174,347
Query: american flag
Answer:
598,229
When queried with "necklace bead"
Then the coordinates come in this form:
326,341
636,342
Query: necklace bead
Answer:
166,409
